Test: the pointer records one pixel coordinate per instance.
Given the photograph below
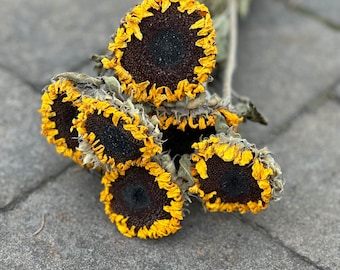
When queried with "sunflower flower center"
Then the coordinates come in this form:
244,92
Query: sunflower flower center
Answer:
65,113
179,142
118,143
167,48
233,183
136,195
167,53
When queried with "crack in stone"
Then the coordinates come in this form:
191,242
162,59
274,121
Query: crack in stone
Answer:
311,14
26,193
76,68
259,228
37,88
310,106
19,77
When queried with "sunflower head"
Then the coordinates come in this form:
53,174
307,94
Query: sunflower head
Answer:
143,201
232,175
118,134
100,88
164,50
183,126
60,103
178,136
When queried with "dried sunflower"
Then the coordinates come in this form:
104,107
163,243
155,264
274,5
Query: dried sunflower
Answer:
100,88
60,103
200,120
143,201
117,131
232,175
184,124
180,134
164,50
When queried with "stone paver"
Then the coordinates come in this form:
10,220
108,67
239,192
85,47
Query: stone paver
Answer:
281,52
48,37
78,235
310,159
26,158
326,10
285,60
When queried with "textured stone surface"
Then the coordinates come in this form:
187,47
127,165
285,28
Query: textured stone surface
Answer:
77,235
310,159
326,10
47,37
279,62
26,158
287,64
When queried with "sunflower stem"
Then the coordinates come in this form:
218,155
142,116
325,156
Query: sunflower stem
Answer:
232,51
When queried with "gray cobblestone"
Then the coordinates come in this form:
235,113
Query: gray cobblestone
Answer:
327,10
48,37
309,157
287,64
26,158
281,52
77,235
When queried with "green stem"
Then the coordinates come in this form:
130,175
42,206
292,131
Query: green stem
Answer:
232,50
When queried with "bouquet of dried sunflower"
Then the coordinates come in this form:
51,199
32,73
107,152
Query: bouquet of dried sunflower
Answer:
151,126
